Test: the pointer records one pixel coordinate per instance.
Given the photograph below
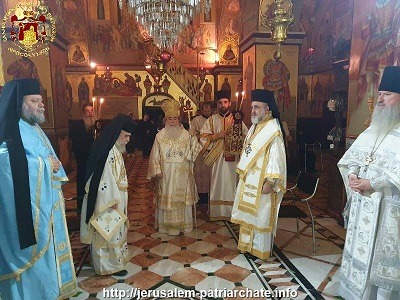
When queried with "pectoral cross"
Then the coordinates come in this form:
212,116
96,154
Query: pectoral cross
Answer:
248,149
368,160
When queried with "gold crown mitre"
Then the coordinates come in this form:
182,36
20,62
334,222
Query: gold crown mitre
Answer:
170,108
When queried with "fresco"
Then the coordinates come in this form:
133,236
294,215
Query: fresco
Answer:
375,44
229,29
313,94
328,27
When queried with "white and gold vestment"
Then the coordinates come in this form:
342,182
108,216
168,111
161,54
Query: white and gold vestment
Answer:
171,165
109,254
263,159
223,171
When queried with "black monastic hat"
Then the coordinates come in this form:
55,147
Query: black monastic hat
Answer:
268,97
390,81
260,95
223,94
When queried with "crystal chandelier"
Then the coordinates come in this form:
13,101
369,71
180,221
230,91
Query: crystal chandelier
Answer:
164,20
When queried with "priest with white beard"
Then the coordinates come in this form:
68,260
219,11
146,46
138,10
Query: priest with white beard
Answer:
106,199
371,173
262,172
171,167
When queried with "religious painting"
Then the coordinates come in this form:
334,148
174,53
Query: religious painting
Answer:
375,44
231,83
208,39
250,18
78,54
74,30
381,45
60,106
70,6
206,88
280,76
196,45
249,81
229,52
23,67
117,83
60,87
313,94
112,106
230,26
125,43
156,99
328,27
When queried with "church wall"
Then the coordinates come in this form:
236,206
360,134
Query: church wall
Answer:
265,55
119,101
249,81
370,53
249,17
18,67
60,104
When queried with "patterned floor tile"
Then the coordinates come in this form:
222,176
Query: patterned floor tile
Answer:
146,259
185,256
144,280
166,267
207,258
207,264
182,241
188,276
232,273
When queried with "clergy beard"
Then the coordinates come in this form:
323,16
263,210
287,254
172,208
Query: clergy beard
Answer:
255,120
173,132
89,121
121,148
384,118
33,117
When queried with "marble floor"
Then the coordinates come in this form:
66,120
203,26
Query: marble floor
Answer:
193,265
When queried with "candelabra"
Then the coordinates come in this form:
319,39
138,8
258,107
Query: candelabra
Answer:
278,18
156,67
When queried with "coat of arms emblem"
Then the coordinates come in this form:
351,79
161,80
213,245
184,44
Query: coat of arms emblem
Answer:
30,28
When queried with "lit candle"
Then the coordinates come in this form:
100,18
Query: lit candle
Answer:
237,99
94,104
101,102
240,107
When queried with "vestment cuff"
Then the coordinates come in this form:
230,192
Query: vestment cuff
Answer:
379,182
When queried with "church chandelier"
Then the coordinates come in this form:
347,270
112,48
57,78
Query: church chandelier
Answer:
165,20
279,17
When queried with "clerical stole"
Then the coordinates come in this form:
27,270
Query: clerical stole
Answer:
255,212
223,172
109,254
372,218
171,163
254,159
